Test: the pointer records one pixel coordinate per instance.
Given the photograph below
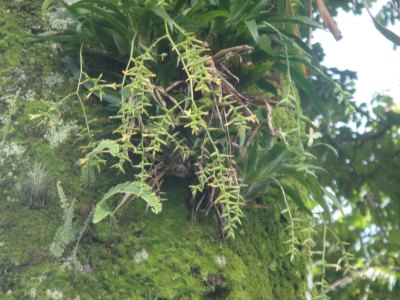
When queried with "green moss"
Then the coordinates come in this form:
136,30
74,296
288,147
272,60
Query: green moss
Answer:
182,257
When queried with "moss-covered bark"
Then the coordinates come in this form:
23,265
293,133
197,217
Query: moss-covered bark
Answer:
142,255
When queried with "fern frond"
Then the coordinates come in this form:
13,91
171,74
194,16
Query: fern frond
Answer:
88,175
66,233
61,194
134,188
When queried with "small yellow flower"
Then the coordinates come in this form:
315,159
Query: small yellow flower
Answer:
113,86
34,116
312,136
126,137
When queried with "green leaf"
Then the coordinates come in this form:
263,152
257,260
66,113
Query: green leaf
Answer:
390,35
301,20
250,75
297,199
334,200
330,147
159,11
121,44
257,7
318,195
393,118
252,157
268,156
45,6
236,10
204,19
54,36
306,86
265,44
252,27
105,15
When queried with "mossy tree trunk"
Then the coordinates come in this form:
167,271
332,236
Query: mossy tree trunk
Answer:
142,255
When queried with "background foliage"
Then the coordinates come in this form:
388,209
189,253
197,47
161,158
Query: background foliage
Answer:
364,178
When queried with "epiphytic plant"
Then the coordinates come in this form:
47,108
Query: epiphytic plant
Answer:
200,83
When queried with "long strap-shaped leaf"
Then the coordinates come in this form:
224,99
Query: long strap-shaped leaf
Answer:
390,35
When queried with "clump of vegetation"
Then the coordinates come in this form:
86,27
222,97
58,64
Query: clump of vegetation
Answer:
186,90
37,184
219,105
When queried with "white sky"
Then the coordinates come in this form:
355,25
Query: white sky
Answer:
364,50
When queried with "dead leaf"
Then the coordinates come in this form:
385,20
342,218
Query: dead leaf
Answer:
328,20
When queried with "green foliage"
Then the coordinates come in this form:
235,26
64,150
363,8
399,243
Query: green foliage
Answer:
391,36
45,6
66,233
136,189
265,170
369,194
156,119
363,178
